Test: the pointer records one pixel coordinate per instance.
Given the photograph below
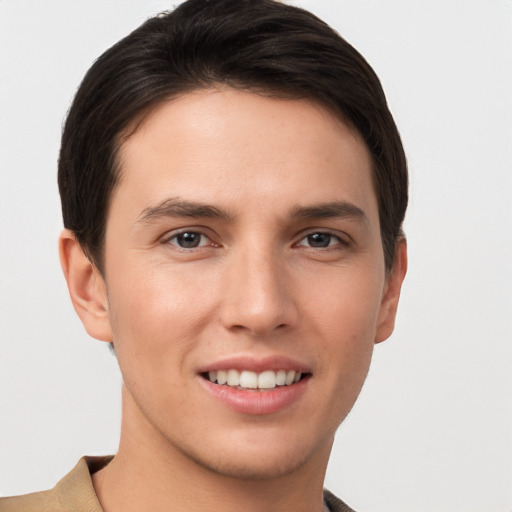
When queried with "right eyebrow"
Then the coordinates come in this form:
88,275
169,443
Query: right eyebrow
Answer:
175,207
333,209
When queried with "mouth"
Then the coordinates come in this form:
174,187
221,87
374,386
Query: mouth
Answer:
259,387
266,380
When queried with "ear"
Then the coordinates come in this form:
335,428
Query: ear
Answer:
389,304
86,286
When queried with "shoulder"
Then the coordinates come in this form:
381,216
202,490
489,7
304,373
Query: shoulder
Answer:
46,501
74,493
333,503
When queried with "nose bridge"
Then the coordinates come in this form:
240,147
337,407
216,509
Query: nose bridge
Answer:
257,297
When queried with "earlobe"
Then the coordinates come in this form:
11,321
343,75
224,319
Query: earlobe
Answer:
389,304
86,287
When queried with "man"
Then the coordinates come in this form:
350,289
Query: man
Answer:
233,188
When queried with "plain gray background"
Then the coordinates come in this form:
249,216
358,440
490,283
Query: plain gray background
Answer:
432,431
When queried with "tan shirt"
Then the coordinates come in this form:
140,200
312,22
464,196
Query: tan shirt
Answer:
75,493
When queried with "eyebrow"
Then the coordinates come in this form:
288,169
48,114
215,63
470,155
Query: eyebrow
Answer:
333,209
175,207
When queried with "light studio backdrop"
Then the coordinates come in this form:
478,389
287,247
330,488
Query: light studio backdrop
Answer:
432,430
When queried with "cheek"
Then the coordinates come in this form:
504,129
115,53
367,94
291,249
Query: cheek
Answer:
156,316
346,317
154,328
347,303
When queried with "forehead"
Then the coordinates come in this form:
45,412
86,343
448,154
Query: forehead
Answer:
239,147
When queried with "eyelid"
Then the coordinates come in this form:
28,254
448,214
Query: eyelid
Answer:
324,231
170,235
344,239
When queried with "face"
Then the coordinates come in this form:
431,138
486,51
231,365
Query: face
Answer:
244,280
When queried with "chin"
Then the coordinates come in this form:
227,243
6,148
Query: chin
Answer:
252,468
260,459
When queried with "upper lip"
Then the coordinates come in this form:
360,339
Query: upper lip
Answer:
251,363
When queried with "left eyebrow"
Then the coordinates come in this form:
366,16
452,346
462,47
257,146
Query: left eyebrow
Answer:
175,207
339,209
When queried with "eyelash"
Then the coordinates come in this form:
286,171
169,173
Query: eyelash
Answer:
175,236
339,240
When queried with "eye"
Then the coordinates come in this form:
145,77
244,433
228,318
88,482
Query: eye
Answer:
320,240
189,240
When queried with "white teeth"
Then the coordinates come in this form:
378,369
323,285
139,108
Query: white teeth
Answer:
222,378
281,378
267,380
246,379
233,378
290,376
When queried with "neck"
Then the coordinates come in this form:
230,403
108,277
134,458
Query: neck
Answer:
149,473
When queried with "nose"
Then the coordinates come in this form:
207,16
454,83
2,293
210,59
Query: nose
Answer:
257,298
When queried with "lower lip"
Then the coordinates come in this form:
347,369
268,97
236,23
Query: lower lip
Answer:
257,402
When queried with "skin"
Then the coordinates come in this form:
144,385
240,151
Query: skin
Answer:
257,285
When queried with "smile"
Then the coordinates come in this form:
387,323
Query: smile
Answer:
246,379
